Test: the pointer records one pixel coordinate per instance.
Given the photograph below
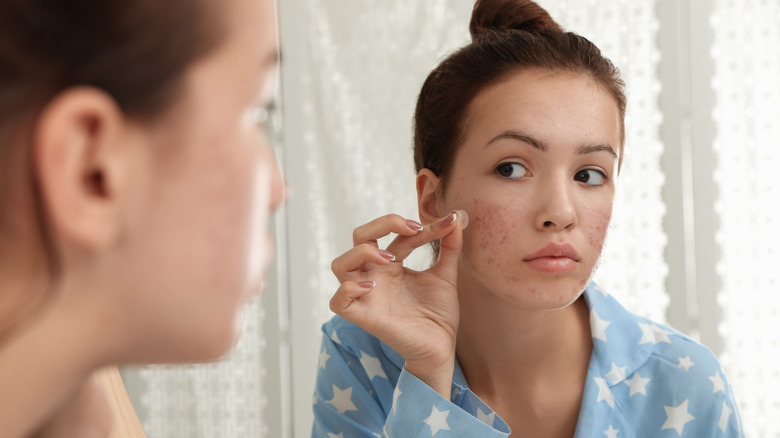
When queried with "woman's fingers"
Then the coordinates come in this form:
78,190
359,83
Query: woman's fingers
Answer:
382,226
346,301
357,257
449,250
365,254
402,246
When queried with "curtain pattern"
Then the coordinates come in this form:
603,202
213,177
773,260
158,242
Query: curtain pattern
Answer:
747,145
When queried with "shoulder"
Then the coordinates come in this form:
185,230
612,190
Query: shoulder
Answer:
639,342
687,387
661,377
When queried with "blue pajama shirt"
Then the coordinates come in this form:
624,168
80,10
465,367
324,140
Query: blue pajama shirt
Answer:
644,380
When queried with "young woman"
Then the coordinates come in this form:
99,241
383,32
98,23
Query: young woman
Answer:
135,185
518,135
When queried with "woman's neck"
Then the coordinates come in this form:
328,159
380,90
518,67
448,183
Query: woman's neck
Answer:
501,345
45,361
23,290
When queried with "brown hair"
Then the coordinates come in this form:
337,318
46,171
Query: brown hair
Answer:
507,36
134,50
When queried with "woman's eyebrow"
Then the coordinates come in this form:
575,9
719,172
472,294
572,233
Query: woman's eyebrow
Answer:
542,146
522,137
589,149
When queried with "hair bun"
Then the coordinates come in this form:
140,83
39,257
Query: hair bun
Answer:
501,15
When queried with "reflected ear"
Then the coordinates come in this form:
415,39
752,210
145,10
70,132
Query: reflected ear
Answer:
428,196
78,166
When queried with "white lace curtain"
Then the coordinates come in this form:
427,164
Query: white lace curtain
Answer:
747,144
351,73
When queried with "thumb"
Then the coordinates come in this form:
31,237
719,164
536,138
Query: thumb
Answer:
450,247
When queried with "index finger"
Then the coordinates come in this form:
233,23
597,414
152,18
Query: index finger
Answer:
382,226
402,246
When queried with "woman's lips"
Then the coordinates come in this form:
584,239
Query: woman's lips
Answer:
555,265
554,258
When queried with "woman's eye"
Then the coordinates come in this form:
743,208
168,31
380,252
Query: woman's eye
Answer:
511,170
591,177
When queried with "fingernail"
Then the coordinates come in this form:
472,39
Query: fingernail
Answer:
414,225
464,218
387,254
367,284
448,220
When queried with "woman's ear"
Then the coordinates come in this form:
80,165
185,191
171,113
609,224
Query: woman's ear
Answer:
428,196
78,166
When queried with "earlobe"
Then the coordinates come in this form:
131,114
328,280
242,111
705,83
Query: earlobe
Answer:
74,148
428,196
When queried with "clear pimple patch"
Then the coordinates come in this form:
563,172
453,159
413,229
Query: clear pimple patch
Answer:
464,218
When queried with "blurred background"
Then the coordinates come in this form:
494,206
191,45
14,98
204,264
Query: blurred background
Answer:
694,241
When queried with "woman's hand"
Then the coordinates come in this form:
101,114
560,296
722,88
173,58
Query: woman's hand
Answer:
415,313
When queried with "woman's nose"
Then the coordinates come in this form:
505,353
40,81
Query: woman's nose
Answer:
556,212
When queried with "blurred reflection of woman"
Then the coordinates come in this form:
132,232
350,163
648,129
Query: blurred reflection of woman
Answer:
135,185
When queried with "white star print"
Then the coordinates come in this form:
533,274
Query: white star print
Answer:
616,374
676,418
604,393
335,338
324,356
372,366
717,383
662,335
598,326
725,413
685,362
333,435
396,394
638,384
651,333
611,432
437,420
647,334
485,417
342,400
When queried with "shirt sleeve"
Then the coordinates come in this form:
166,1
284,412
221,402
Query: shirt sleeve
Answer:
355,398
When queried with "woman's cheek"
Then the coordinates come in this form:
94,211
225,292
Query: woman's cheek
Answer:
494,229
595,223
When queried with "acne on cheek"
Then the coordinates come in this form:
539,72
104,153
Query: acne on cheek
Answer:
493,226
595,223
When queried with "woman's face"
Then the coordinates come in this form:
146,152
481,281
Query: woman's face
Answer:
536,173
198,247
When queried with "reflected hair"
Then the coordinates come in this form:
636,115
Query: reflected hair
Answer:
136,51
